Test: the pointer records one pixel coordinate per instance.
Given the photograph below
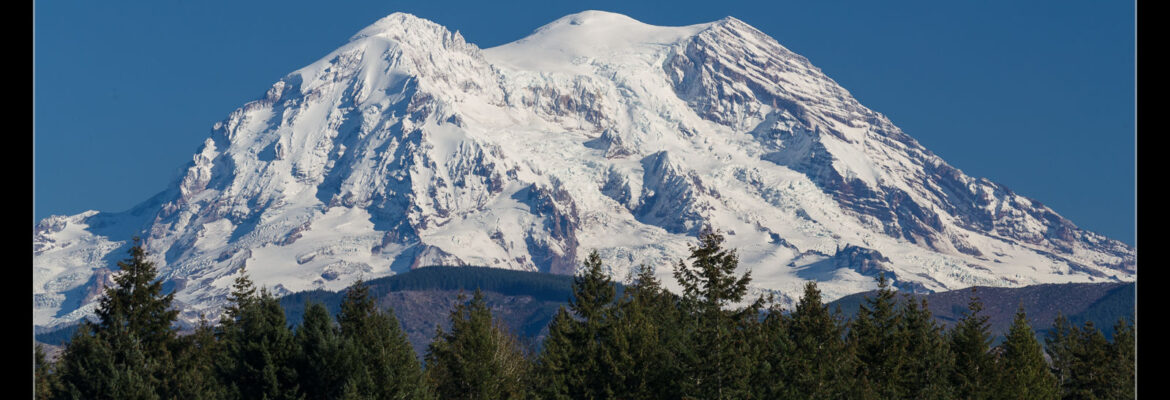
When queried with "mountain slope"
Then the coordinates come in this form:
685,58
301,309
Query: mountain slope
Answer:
408,147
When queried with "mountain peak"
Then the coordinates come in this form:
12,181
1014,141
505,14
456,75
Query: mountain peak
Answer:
396,26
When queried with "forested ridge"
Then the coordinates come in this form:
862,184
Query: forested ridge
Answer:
632,341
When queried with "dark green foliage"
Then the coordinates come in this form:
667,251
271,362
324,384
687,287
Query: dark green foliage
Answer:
195,374
324,360
44,379
387,367
642,338
928,359
127,352
879,343
821,365
773,349
1124,349
715,361
477,358
258,349
1086,365
970,341
581,359
1021,372
556,372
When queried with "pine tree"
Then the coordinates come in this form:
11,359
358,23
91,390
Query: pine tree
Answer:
389,367
195,374
880,348
556,372
580,361
91,368
1125,359
258,348
970,341
1021,370
477,358
127,352
324,360
821,365
1092,375
928,359
774,348
1059,343
717,366
640,348
44,379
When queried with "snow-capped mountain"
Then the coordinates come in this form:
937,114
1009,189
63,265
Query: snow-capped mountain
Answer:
409,147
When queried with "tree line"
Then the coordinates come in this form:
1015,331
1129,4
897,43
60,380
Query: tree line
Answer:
708,341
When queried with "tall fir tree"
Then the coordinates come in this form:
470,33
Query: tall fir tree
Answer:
970,341
1059,343
258,348
821,365
389,368
195,374
44,378
928,358
1124,348
717,365
880,347
555,370
1021,372
127,352
773,348
640,344
325,361
1092,374
477,359
579,362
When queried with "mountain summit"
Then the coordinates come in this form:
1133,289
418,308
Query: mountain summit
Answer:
409,147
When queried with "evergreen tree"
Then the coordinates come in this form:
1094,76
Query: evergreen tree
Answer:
388,367
1092,375
555,370
640,346
970,341
880,347
1059,343
44,380
324,361
127,352
774,349
477,358
91,368
716,365
258,348
821,365
580,361
928,360
195,374
1125,359
1022,372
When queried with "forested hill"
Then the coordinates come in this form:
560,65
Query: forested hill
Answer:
423,298
1100,303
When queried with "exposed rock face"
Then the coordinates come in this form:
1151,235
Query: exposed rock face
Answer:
410,147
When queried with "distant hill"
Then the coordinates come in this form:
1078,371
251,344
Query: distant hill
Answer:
422,299
1101,303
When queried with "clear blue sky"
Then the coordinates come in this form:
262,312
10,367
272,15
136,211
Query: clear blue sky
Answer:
1036,95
